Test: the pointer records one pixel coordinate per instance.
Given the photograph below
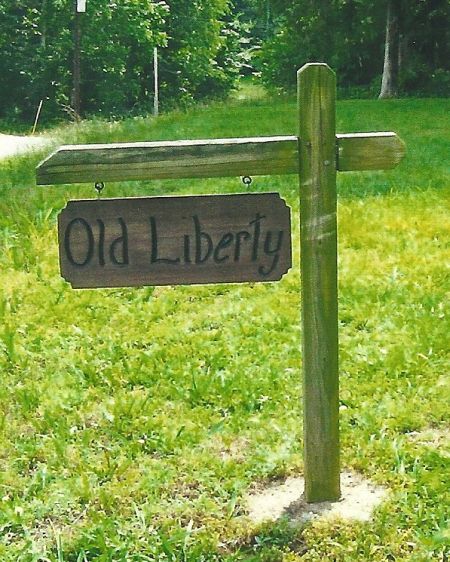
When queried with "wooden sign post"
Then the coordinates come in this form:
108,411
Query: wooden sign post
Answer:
318,263
316,154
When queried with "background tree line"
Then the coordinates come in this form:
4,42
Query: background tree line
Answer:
353,37
204,45
199,54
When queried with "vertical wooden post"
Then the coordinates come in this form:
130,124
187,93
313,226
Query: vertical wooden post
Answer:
318,262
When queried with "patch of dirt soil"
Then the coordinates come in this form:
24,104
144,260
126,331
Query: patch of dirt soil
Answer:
359,498
437,438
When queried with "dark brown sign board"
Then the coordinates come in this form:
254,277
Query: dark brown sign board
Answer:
174,240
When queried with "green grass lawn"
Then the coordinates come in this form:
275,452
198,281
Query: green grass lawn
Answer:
133,422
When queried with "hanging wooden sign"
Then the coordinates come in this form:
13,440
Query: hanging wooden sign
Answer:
211,239
174,240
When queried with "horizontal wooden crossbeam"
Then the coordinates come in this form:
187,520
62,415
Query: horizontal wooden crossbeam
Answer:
209,158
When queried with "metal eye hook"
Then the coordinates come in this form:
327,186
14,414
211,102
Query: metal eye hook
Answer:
99,187
247,181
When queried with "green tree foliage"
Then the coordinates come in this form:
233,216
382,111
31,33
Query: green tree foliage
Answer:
424,55
259,15
349,35
199,43
255,19
202,55
37,49
117,45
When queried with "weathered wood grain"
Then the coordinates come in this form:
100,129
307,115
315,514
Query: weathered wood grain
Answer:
318,263
369,151
208,158
174,240
167,160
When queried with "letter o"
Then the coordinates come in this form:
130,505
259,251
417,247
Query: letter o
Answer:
90,242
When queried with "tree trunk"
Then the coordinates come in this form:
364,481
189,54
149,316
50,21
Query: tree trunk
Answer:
268,19
402,51
389,83
76,91
44,24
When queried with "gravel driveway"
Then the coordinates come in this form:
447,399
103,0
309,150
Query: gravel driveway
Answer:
13,144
